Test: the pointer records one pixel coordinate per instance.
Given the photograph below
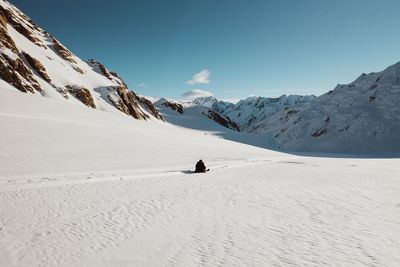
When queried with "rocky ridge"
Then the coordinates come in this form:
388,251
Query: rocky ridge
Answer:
33,61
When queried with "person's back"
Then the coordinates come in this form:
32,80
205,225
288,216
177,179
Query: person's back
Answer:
200,167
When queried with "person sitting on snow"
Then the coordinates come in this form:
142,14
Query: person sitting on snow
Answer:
200,167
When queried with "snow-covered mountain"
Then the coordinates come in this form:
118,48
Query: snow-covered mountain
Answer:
33,61
361,117
252,110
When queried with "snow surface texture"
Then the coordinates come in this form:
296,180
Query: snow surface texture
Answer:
81,187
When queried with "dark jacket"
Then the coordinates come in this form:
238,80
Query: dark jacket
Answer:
200,167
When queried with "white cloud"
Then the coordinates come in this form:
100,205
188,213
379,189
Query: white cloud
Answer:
231,100
203,77
192,94
142,85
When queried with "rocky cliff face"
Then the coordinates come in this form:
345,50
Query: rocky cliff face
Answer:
33,61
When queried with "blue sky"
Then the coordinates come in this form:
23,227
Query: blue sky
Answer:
239,47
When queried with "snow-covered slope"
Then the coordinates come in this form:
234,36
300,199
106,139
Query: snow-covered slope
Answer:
33,61
41,136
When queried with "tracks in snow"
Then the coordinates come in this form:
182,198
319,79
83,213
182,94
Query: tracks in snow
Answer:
38,182
100,212
245,212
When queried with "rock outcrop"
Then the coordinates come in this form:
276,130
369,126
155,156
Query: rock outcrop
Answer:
37,66
226,122
4,15
174,106
5,39
100,68
127,102
130,103
82,94
17,74
62,51
25,29
149,106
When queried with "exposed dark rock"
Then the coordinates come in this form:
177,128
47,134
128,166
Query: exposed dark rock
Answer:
62,91
4,16
101,68
17,74
13,70
131,103
373,96
297,120
319,132
104,71
27,33
128,103
289,113
226,122
7,17
82,94
7,41
119,79
118,104
78,69
148,105
372,87
37,66
62,51
345,128
174,106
